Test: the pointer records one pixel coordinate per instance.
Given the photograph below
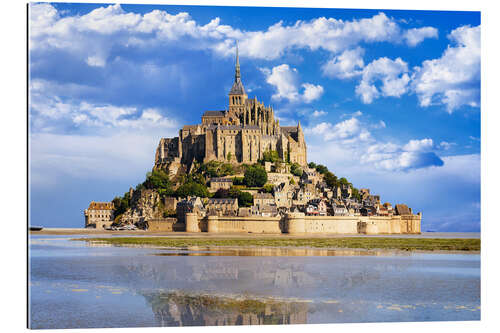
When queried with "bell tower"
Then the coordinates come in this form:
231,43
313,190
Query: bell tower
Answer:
237,95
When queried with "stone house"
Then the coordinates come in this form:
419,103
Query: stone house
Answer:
340,210
311,210
220,183
283,195
389,208
277,178
310,175
320,205
368,211
266,210
99,215
189,205
262,199
303,195
383,210
346,191
222,206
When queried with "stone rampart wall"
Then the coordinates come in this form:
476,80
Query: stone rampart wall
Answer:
298,223
257,225
167,224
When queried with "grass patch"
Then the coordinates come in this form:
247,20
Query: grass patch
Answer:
408,244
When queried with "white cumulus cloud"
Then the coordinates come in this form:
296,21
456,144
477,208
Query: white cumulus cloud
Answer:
346,65
49,113
454,78
311,92
285,80
419,145
415,36
352,139
319,113
103,27
393,77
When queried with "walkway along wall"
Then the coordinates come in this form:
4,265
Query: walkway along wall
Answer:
298,223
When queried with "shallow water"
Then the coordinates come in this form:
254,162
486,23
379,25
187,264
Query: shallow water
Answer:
74,285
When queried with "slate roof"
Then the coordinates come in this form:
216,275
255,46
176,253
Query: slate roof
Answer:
237,88
402,209
233,127
289,128
221,113
220,179
101,205
263,196
221,200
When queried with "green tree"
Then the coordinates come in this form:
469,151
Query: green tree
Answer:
344,181
330,179
356,194
229,155
160,181
255,176
296,170
270,156
217,169
321,168
192,189
121,204
312,165
226,169
245,199
268,188
238,181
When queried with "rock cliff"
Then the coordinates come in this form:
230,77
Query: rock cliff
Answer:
144,205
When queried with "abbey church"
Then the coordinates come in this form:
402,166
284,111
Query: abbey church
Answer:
240,134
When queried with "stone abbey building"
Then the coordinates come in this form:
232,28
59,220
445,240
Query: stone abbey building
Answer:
240,134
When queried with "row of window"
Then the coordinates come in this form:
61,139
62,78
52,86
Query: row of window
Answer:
236,99
99,215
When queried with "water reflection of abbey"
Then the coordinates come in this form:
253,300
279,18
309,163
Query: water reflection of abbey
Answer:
253,274
181,309
223,290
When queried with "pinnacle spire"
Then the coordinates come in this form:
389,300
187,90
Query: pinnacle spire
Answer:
237,75
237,88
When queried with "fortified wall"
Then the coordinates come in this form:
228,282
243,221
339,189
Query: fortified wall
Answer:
299,223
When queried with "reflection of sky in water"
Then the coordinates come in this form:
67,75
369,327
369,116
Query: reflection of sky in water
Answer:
76,285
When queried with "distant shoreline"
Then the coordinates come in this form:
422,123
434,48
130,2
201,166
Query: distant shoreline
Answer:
176,234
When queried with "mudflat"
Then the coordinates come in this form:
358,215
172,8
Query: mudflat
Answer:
366,243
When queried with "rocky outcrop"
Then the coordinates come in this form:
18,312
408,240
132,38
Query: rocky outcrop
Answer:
144,205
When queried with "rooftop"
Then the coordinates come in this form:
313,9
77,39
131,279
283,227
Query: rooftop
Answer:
220,113
101,205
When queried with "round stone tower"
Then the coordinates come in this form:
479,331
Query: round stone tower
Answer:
296,223
213,223
192,224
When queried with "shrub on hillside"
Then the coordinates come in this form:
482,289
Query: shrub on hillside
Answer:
255,176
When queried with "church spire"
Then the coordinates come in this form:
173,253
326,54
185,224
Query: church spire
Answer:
237,88
237,75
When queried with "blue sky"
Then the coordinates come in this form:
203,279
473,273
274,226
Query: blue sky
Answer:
389,99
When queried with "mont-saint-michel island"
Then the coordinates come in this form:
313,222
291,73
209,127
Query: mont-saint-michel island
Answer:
216,165
240,171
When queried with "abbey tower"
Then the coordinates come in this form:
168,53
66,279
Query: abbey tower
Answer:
240,134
